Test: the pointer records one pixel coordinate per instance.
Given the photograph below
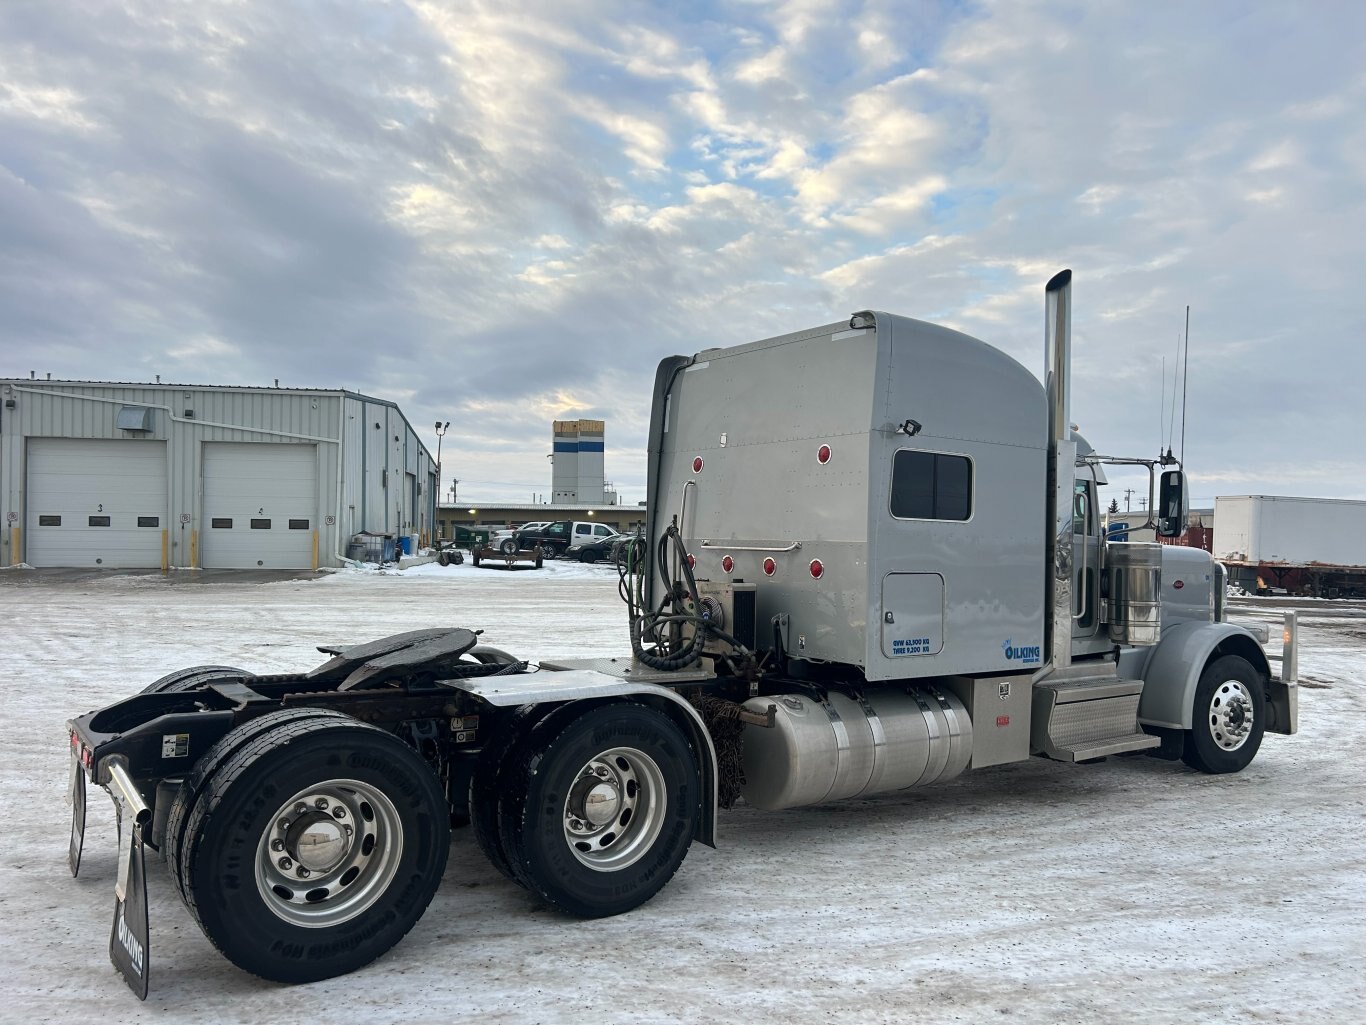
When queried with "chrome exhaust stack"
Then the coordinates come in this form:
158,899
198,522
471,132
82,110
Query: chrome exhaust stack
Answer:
1062,461
1058,354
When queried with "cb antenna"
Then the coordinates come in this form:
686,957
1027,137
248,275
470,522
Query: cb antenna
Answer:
1162,406
1184,383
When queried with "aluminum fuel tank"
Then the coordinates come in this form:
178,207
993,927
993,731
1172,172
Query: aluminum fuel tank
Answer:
1133,607
853,746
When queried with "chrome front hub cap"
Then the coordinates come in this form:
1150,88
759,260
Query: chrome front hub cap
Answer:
615,809
317,841
329,854
1231,715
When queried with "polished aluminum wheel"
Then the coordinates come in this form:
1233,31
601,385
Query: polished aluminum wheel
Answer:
615,809
1231,714
330,852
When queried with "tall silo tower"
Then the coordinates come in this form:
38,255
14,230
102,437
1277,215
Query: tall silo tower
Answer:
578,475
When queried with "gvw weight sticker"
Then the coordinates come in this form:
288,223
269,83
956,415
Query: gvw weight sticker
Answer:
1028,654
910,646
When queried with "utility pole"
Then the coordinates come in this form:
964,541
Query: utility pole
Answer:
454,484
1127,493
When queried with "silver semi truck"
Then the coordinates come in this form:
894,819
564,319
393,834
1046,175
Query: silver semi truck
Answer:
875,562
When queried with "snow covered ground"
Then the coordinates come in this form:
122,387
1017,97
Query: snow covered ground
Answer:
1040,892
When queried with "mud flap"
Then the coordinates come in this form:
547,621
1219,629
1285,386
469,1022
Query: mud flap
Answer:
129,935
75,795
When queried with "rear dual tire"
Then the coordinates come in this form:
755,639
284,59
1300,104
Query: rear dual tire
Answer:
192,678
307,843
597,807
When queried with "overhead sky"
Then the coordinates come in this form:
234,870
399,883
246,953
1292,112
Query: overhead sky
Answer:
500,214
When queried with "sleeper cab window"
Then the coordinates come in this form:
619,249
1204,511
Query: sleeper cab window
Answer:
931,486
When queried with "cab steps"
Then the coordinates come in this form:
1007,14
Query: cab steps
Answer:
1085,712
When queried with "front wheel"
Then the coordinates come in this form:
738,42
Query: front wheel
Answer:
314,848
600,808
1228,717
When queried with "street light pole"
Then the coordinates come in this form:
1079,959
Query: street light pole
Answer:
440,433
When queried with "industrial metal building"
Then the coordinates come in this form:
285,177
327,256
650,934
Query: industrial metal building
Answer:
192,476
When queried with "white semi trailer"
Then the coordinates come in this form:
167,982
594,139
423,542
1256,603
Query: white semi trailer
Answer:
877,563
1310,545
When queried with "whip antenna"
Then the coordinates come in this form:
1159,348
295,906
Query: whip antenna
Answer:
1184,382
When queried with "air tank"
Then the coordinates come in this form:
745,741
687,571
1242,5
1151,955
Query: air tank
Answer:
853,746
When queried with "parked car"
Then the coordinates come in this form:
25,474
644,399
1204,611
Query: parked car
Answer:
497,537
555,538
598,548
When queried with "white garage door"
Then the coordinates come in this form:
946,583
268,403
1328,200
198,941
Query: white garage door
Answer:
260,505
96,503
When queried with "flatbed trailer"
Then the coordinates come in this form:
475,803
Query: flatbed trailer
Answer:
498,558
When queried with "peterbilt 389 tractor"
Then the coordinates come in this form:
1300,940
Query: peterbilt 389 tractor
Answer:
875,562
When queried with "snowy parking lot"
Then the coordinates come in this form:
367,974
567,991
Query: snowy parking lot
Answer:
1039,892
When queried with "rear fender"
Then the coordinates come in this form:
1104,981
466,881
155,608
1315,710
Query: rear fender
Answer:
1174,669
586,685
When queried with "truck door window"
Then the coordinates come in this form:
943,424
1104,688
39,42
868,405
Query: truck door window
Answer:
1081,507
1083,520
931,486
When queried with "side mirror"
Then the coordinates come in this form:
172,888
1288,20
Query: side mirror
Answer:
1172,508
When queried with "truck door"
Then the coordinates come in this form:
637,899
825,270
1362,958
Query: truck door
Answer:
1086,548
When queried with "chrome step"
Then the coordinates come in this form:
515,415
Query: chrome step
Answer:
1079,719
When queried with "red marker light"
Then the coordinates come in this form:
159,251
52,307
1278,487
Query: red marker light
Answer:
1179,584
727,563
770,567
697,465
692,562
823,454
816,568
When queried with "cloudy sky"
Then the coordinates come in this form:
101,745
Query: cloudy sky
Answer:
499,214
